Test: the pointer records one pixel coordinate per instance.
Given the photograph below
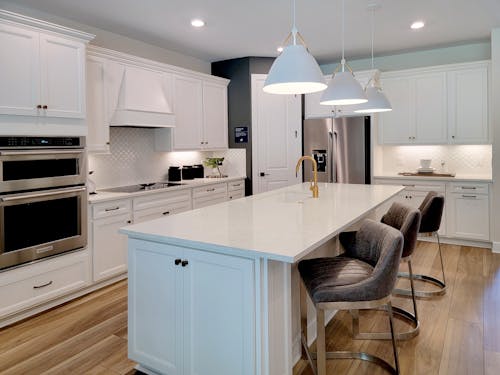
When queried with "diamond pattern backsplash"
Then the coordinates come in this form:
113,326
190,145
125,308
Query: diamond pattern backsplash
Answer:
133,159
459,159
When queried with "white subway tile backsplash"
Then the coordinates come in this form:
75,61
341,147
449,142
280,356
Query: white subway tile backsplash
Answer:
133,159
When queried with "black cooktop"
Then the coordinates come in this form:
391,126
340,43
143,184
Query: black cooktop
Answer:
143,187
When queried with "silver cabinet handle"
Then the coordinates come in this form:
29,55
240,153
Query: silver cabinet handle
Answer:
468,187
469,196
236,185
44,194
112,209
409,185
43,285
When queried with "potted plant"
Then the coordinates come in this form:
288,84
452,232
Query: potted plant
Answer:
214,163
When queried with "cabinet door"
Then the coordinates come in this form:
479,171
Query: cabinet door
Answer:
109,247
395,127
430,108
62,76
315,110
188,94
219,327
214,115
20,71
469,216
469,105
156,313
98,127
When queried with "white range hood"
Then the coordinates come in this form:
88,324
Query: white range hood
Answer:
144,99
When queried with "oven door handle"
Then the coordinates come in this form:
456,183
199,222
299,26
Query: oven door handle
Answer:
11,198
40,152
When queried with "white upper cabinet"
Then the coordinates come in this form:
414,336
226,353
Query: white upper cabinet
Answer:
437,105
42,75
468,100
214,115
98,126
19,71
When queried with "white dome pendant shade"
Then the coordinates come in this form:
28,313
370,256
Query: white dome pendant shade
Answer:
377,102
343,89
295,71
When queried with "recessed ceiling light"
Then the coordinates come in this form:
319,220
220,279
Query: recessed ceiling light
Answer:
279,49
197,22
417,25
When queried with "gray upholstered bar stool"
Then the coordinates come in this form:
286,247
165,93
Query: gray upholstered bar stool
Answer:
432,211
361,278
407,220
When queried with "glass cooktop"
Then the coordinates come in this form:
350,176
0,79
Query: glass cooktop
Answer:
143,187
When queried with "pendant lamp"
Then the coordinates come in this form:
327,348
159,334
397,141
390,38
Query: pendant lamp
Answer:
295,71
377,101
343,88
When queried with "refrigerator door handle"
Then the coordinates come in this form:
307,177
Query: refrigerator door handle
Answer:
335,149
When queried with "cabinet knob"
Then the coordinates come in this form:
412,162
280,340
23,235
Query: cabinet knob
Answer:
45,107
177,261
184,263
453,136
129,221
39,106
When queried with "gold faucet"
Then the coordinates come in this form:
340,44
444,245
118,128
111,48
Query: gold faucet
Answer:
314,181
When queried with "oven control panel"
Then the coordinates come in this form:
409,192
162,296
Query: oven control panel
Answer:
42,142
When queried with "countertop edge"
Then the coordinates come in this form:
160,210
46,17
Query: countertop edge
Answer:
189,184
432,178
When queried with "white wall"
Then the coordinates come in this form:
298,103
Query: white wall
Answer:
495,123
117,42
133,159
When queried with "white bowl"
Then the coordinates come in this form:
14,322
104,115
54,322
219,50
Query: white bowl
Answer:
425,163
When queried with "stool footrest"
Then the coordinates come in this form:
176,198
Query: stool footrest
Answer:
361,356
421,293
398,312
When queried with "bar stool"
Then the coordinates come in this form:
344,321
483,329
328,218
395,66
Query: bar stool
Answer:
407,220
361,278
432,211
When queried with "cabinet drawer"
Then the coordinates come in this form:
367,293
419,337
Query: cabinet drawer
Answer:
162,199
208,201
160,211
468,188
235,194
39,282
414,185
112,208
210,190
236,185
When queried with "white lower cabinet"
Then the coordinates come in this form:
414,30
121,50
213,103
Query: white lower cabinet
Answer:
468,208
154,206
109,247
209,195
188,321
27,286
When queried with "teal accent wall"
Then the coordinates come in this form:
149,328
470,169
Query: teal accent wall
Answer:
418,59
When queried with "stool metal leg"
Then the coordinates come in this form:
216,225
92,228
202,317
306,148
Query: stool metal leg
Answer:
425,293
393,337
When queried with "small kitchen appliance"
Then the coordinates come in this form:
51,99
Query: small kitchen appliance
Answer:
174,173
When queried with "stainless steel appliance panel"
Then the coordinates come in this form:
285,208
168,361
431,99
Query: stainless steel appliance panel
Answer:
340,147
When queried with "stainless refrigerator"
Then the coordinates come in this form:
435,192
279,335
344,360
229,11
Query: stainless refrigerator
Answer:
341,147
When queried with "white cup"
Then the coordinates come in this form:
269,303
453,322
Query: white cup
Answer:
425,163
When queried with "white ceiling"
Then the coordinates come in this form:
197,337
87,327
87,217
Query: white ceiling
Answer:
237,28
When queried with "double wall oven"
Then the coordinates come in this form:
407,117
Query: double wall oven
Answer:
43,199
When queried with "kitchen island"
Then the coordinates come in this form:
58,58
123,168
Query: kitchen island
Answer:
211,291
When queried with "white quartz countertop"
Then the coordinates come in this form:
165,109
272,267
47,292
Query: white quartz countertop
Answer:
457,178
284,224
102,196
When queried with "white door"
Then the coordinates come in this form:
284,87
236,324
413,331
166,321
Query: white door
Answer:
214,115
20,73
62,76
276,138
188,109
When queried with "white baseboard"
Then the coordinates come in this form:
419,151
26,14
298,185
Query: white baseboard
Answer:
496,247
456,241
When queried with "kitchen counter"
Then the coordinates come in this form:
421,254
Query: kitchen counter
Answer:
231,265
103,196
457,178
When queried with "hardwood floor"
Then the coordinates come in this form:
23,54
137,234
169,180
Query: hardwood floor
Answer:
460,332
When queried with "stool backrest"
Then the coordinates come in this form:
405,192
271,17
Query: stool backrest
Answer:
406,219
381,246
432,211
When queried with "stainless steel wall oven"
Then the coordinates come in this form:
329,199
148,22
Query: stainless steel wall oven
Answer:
43,198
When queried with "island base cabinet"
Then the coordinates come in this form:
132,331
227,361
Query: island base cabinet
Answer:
190,312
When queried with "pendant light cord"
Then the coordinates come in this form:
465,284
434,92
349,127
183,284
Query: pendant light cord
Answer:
373,33
343,35
294,27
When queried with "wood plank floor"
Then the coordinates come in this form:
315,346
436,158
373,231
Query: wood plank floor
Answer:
460,332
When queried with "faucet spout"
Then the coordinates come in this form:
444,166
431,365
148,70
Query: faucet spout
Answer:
314,182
